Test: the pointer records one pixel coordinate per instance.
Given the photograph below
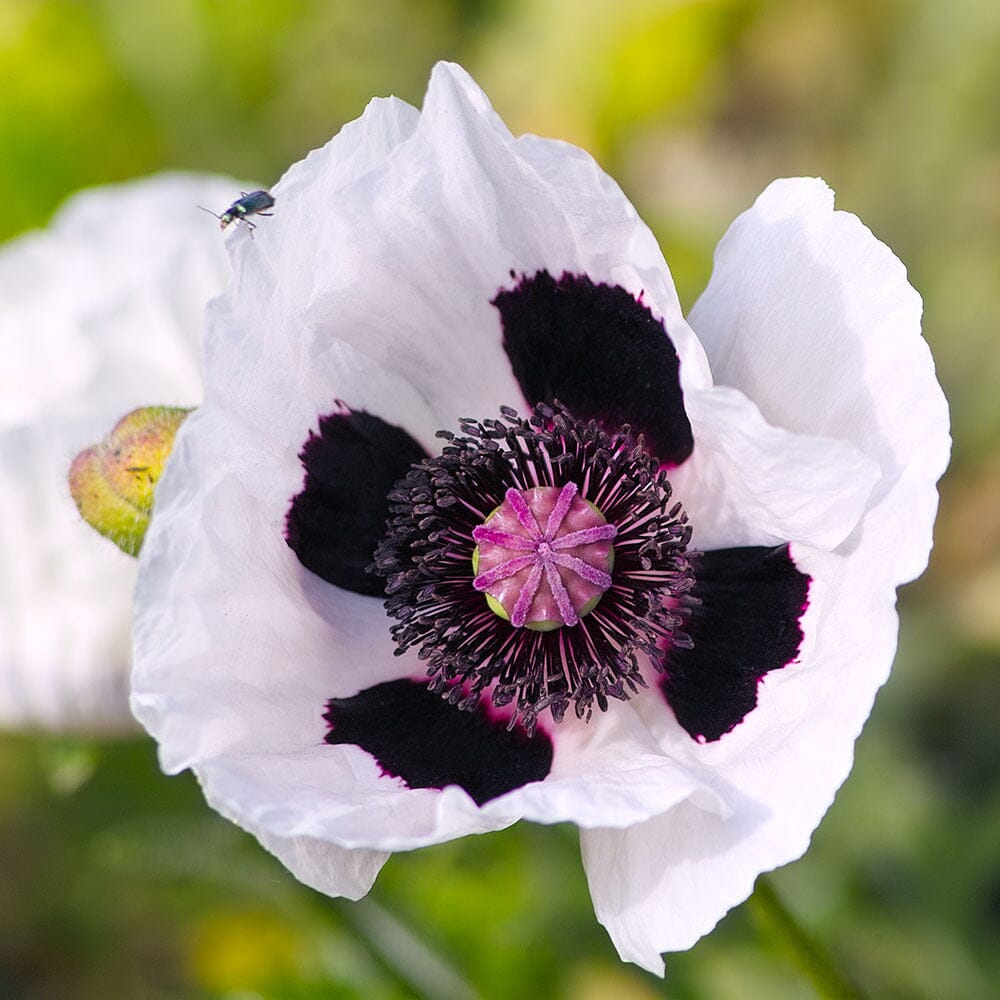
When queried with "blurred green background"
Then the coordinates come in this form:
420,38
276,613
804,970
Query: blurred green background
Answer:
116,882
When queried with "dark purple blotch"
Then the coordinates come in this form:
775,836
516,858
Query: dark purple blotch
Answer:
748,623
601,353
416,735
336,521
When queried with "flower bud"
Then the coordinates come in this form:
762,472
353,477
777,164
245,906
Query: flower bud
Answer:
112,482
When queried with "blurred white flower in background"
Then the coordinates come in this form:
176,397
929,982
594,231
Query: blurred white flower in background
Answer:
99,313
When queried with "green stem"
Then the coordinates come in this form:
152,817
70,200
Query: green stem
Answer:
802,950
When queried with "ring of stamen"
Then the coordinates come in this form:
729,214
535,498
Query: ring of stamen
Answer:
444,509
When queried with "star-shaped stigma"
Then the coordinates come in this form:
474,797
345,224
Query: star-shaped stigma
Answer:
544,578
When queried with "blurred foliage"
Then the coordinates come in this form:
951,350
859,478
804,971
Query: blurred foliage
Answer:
119,882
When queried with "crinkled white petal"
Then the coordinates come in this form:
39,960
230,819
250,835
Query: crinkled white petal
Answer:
325,867
669,878
100,313
395,237
263,353
244,646
749,483
661,885
336,871
813,318
609,772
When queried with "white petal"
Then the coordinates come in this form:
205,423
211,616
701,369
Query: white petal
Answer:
235,611
813,319
648,883
418,243
608,772
663,884
749,483
100,313
325,867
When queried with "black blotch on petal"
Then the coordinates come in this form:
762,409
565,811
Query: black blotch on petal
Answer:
337,520
747,624
416,735
601,353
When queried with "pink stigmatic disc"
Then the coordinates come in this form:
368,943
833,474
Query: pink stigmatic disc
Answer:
544,556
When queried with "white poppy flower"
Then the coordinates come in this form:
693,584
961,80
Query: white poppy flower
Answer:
99,313
686,688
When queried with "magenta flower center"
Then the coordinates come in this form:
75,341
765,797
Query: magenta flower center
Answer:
543,557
